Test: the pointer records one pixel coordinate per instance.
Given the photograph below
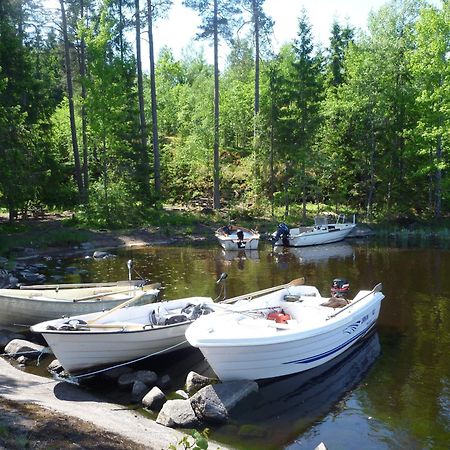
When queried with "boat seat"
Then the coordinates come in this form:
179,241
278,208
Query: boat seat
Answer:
292,298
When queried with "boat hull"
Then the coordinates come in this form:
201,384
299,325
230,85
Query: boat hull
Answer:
92,341
34,306
317,236
228,238
260,353
233,244
78,351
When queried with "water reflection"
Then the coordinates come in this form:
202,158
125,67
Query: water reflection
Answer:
239,257
407,386
302,399
318,253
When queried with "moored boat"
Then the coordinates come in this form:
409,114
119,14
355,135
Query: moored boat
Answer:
232,237
290,330
322,232
33,304
122,334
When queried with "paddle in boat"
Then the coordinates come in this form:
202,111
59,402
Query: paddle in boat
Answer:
283,330
322,232
32,304
232,237
123,334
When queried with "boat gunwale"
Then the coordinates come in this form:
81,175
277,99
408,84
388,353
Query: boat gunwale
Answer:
287,333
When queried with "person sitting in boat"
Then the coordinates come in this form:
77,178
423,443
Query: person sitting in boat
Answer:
226,230
240,236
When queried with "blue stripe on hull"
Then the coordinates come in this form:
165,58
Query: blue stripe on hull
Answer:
334,350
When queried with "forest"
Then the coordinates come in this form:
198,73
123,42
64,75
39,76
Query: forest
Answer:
361,124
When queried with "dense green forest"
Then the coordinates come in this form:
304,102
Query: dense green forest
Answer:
362,124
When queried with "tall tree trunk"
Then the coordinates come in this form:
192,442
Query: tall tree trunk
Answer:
121,28
105,181
76,154
255,14
155,138
256,24
83,110
286,193
216,196
371,173
438,179
144,160
272,134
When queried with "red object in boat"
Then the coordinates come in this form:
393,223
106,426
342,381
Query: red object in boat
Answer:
279,317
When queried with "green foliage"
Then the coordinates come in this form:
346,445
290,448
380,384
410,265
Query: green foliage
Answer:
200,441
365,125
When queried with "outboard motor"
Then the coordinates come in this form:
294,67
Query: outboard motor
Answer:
281,233
340,288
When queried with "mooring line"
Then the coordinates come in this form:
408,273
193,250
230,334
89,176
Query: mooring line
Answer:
73,379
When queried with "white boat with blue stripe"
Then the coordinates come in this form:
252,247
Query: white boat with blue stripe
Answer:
289,330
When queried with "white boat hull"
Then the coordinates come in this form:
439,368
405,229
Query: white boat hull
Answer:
22,308
234,244
317,236
122,336
229,240
239,347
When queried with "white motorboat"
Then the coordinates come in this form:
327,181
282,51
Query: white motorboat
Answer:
122,334
232,237
33,304
322,232
283,332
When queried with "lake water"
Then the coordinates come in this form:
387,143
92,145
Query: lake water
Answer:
390,392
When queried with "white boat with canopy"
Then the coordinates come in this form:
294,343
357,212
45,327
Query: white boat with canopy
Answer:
284,330
322,232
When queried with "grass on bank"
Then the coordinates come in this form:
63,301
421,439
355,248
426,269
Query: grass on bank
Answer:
71,229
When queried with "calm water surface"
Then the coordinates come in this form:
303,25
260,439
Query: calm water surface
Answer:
390,392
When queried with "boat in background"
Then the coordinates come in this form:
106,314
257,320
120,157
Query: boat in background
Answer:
322,232
232,237
122,334
33,304
286,331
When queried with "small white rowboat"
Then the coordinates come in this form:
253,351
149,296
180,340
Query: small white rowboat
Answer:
34,304
237,238
287,331
122,334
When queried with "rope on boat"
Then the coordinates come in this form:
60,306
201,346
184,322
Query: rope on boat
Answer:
74,379
13,355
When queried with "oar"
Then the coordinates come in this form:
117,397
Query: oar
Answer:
104,294
122,305
296,282
81,285
376,289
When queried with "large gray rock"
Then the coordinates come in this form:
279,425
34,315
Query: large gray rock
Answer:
178,414
213,403
139,390
147,377
18,347
195,381
55,367
7,336
155,399
114,374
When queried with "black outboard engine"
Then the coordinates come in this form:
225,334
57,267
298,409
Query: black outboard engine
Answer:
340,288
281,233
